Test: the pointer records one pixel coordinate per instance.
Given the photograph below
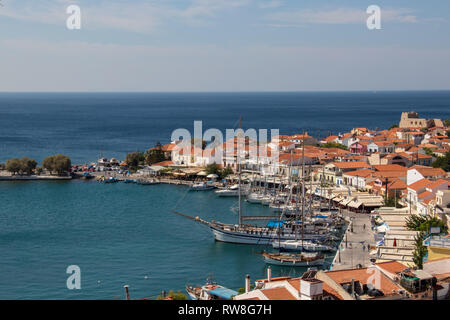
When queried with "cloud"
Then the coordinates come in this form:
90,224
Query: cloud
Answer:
270,4
141,16
339,16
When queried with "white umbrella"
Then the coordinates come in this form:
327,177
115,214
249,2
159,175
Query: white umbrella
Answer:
201,173
212,176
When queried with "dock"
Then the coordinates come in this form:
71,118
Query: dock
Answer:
354,248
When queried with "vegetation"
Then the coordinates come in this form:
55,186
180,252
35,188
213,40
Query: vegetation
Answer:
174,295
420,251
392,202
443,162
447,123
334,145
58,163
2,166
214,168
242,290
393,126
134,159
155,155
424,224
428,151
13,165
22,166
27,165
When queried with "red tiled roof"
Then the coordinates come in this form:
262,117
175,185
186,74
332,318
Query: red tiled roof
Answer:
278,294
419,184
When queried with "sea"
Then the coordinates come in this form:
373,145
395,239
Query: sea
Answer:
126,234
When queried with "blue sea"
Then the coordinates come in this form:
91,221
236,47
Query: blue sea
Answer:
122,234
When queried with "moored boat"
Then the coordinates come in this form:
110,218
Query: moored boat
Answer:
201,186
294,260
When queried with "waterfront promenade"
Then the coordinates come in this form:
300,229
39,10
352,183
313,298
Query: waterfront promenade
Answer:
354,248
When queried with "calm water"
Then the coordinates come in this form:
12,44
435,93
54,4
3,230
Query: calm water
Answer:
83,125
126,234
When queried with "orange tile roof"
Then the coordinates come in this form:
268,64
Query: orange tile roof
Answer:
363,275
424,194
278,294
428,171
397,185
360,173
419,184
351,164
389,167
392,266
436,183
327,290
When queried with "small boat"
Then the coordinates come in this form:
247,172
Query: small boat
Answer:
294,260
255,198
299,245
232,191
111,180
210,291
129,181
146,182
201,186
87,176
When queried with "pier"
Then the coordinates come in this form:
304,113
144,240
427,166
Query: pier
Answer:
355,246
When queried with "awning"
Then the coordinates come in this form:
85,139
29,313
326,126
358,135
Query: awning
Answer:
223,293
354,204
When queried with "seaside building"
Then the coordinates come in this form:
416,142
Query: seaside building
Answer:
411,120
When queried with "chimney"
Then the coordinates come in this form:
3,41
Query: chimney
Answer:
127,293
269,274
247,283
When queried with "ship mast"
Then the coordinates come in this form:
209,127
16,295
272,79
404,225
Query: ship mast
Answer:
303,186
239,171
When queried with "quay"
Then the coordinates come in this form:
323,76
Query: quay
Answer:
354,249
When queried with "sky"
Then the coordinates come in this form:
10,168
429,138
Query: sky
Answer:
224,45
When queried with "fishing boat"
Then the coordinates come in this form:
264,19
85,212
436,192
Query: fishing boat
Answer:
255,198
299,245
147,182
210,291
294,260
232,191
87,176
111,180
201,186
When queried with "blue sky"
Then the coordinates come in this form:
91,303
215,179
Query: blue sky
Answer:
224,45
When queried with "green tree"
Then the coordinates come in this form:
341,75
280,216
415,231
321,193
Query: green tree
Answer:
225,172
333,145
155,155
424,224
28,165
174,295
447,123
13,165
213,168
420,251
134,159
393,126
58,163
2,166
428,151
39,170
443,162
